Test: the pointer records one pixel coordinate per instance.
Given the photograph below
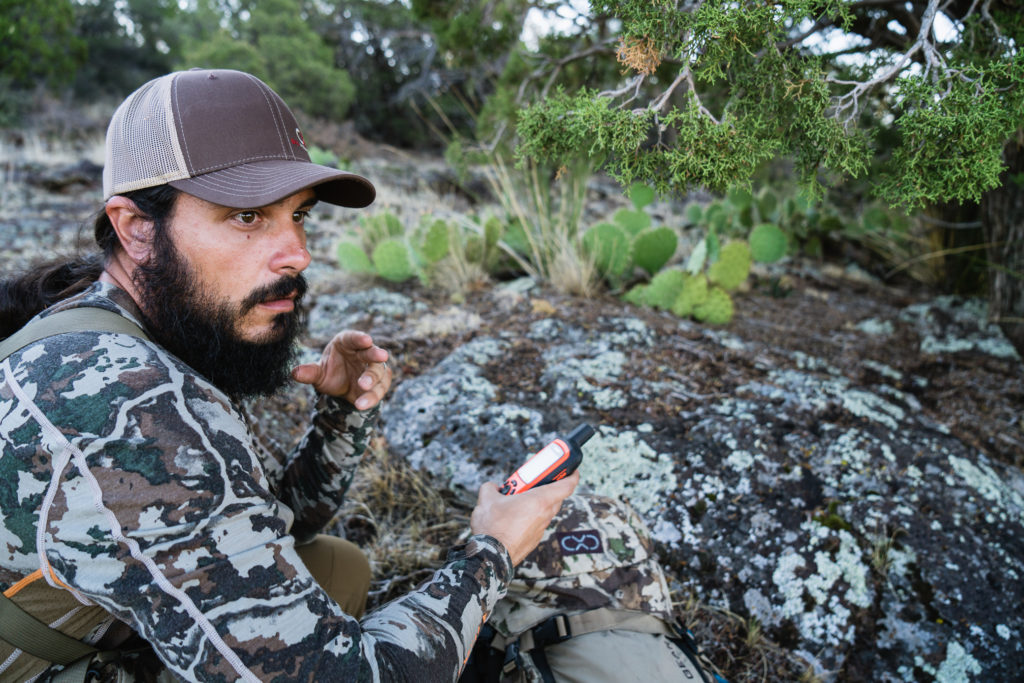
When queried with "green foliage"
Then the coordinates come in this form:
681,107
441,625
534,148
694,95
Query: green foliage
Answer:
37,46
275,44
37,42
748,86
952,146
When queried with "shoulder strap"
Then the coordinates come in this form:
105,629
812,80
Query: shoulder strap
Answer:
25,632
82,319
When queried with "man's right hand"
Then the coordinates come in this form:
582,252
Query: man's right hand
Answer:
519,521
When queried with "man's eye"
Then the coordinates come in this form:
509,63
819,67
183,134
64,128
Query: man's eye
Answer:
300,216
247,217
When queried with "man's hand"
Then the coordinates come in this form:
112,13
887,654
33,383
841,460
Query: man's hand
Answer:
351,368
519,521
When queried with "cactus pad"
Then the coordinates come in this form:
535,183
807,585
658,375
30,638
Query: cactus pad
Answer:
732,266
664,288
632,221
391,258
608,245
641,195
767,243
717,309
353,259
435,244
693,294
653,248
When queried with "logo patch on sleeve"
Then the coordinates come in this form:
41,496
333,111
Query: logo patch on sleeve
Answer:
579,542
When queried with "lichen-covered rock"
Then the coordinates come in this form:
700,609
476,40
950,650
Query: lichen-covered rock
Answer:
857,530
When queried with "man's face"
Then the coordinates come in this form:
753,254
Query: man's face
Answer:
222,287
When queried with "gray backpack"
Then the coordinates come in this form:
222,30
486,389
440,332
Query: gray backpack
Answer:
590,604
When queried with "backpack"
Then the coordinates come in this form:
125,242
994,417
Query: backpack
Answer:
589,604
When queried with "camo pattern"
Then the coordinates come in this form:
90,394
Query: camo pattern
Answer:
596,553
138,486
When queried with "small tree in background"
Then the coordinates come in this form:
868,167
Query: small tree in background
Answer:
928,97
273,40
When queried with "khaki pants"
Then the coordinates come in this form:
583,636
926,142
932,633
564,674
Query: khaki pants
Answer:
341,569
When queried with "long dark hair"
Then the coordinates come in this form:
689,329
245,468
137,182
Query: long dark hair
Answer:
26,294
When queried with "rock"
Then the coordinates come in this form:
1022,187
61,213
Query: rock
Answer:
826,503
83,174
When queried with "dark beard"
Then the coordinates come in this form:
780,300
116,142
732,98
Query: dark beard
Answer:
202,332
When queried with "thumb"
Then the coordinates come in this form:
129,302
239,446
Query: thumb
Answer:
307,373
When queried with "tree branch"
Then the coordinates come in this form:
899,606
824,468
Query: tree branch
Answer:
851,100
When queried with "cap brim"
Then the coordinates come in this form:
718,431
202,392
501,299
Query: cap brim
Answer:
264,182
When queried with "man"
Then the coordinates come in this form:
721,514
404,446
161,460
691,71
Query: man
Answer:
134,501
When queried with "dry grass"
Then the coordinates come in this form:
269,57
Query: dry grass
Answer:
550,211
403,522
738,647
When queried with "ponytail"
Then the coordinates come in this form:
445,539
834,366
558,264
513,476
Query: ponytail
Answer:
23,296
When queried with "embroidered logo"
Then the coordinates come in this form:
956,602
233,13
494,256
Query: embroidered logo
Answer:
579,542
299,140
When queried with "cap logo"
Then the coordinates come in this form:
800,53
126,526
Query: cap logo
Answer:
299,140
579,542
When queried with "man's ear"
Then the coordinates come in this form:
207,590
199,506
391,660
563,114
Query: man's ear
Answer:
134,230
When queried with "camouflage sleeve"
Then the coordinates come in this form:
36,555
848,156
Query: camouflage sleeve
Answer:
136,486
313,479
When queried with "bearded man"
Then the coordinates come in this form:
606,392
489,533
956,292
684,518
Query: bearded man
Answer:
143,529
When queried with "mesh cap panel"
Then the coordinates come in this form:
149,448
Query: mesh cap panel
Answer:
142,145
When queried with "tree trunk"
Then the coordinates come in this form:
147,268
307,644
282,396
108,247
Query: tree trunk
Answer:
1002,215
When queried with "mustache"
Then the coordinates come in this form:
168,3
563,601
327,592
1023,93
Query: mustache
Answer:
279,289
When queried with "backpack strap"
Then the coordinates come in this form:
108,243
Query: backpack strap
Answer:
18,627
561,627
82,319
25,632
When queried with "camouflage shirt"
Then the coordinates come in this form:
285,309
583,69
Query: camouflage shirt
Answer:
137,486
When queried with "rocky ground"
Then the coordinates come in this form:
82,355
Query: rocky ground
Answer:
838,469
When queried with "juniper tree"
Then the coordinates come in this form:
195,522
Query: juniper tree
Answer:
928,95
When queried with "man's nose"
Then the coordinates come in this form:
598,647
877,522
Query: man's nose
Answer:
291,254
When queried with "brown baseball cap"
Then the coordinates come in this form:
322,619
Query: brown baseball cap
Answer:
220,135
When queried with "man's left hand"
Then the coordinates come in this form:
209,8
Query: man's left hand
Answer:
351,368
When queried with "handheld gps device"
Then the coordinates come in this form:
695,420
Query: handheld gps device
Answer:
557,460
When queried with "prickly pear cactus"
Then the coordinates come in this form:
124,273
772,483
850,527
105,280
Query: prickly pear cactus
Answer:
717,309
641,195
353,259
653,248
608,245
732,266
632,221
436,242
391,259
693,294
664,288
767,243
636,296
